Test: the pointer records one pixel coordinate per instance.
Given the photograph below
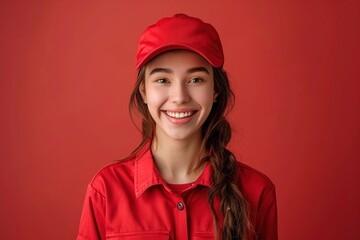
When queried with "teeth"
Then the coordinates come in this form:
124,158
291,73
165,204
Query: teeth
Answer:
179,114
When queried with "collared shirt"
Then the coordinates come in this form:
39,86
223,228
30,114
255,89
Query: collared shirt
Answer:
130,200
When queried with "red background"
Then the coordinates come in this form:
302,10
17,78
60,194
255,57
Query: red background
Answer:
67,70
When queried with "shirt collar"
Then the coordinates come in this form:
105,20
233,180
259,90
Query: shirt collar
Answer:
205,178
147,175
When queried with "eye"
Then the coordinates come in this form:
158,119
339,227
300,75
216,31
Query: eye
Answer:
196,80
162,80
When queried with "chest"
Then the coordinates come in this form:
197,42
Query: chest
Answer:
159,214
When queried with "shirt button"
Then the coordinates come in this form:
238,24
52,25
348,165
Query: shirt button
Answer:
180,206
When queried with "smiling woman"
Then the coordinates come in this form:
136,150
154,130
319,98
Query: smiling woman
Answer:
181,182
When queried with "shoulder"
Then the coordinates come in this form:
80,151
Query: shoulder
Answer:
253,183
252,176
112,174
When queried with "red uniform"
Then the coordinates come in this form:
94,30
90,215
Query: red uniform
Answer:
130,200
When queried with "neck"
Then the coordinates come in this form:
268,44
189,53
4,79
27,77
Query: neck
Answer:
177,159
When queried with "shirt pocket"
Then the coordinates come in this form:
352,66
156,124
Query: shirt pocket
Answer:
203,236
149,235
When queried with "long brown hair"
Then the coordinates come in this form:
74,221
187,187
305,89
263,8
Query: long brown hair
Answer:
216,135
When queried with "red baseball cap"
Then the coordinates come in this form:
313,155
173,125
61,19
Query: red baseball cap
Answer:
180,32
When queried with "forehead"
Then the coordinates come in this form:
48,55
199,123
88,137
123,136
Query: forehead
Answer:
178,59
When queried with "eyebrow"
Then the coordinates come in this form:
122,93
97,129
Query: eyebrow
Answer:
160,70
198,69
168,70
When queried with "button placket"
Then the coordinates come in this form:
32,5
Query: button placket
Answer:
181,219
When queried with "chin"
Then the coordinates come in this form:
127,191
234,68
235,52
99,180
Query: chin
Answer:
182,136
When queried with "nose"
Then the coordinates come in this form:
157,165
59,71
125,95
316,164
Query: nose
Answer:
179,93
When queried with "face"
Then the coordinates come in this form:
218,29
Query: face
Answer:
179,93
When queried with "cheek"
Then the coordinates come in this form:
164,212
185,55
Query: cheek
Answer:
154,99
204,97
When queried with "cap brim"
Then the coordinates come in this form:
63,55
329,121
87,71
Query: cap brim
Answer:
215,62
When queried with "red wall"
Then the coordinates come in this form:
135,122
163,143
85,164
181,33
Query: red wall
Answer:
67,70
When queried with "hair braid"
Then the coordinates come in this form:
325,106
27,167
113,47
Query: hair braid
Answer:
217,134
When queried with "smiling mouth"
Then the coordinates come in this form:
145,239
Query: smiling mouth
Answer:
179,115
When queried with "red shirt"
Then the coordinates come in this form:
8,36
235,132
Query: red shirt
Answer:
130,200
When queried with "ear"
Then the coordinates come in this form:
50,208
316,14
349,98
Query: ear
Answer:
215,96
142,92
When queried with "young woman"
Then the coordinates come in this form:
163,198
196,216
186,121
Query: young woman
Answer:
181,182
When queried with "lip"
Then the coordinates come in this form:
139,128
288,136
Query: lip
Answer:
182,116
